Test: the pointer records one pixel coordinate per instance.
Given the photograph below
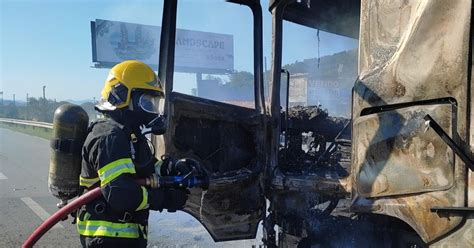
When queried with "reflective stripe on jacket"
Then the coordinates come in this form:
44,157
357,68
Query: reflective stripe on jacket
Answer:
114,169
108,229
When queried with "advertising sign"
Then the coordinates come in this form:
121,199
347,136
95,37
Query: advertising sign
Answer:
195,51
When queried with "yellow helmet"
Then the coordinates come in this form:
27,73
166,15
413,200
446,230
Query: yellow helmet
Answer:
126,77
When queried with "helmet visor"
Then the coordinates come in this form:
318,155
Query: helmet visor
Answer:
150,103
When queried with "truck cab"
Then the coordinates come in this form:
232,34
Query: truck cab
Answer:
334,148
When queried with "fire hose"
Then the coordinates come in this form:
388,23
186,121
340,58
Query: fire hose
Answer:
152,182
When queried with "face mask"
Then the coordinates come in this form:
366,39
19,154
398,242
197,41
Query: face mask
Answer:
144,108
149,103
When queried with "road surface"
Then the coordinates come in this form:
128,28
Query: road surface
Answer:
25,201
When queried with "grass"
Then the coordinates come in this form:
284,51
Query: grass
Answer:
34,131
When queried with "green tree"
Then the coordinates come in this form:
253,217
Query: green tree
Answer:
241,79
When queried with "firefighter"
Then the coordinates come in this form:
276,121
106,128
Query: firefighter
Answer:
116,152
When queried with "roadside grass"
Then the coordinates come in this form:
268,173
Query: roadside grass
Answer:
34,131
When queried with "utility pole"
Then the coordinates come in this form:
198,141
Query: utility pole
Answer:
13,99
198,83
44,105
26,112
1,93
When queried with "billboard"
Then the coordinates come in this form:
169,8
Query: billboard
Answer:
195,51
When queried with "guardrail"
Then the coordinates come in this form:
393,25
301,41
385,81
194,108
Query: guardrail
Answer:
45,125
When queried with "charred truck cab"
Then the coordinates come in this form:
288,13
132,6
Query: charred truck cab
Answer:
362,164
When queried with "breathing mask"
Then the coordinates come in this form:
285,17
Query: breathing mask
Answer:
146,108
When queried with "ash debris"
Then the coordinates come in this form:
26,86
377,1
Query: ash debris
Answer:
315,119
315,141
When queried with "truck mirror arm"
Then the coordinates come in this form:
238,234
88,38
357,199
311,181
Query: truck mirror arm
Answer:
464,155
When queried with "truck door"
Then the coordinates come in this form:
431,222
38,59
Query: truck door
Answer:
227,140
215,113
411,66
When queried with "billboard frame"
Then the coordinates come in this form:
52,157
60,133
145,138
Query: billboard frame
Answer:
182,69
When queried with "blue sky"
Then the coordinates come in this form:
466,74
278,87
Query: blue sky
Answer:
49,43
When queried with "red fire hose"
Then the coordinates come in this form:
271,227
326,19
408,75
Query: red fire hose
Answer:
59,215
64,212
152,182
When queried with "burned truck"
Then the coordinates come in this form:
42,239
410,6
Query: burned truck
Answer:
394,170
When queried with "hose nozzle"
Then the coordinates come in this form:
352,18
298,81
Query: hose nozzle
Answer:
154,181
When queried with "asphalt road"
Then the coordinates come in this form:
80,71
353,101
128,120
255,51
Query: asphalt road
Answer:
25,200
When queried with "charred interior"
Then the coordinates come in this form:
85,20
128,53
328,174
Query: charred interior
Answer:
314,146
230,132
228,149
314,142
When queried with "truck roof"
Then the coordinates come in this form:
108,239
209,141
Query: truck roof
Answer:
340,17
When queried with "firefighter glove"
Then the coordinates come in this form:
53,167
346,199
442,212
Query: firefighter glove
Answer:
175,199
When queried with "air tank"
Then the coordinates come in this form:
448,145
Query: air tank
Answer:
69,132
